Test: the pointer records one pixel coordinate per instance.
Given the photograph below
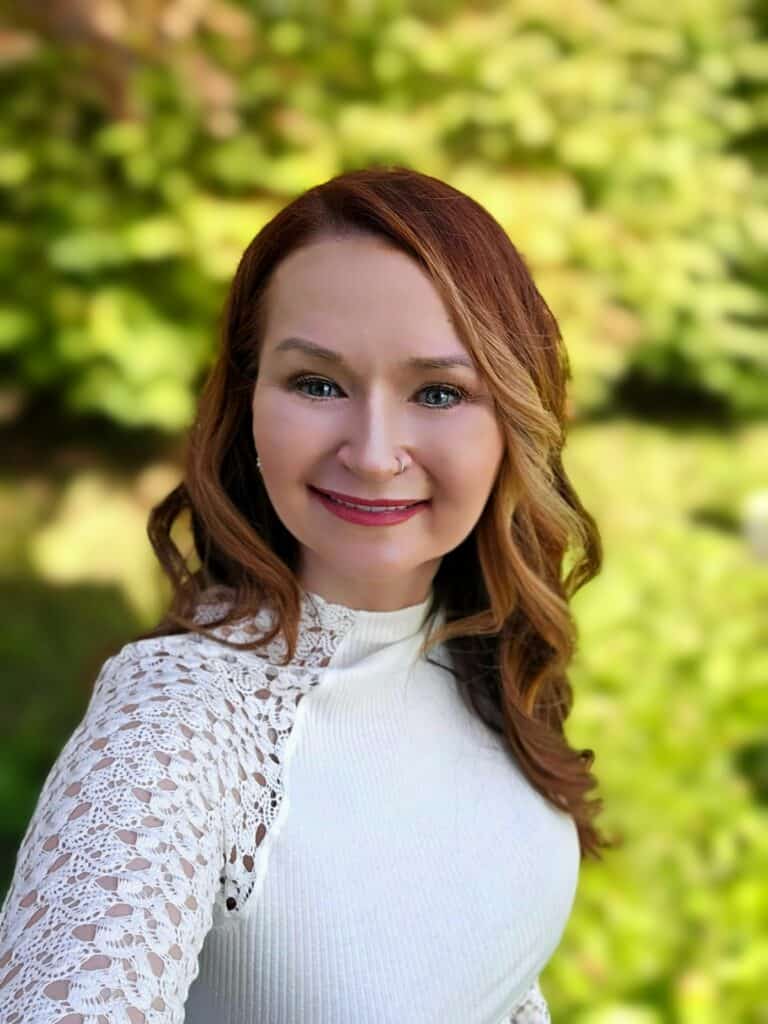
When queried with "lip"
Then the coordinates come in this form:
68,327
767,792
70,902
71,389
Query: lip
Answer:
386,517
381,503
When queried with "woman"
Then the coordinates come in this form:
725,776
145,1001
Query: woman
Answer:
332,785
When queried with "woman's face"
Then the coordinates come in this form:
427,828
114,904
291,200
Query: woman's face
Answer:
342,425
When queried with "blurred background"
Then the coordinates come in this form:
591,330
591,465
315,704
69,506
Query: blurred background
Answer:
623,147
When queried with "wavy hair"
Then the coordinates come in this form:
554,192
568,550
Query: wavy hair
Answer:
508,625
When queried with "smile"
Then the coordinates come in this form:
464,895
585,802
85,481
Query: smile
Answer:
368,515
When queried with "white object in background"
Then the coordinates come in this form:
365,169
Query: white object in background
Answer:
754,519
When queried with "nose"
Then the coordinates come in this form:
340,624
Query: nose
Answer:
376,434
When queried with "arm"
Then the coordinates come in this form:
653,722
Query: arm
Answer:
117,873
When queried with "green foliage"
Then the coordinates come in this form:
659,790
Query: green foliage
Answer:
619,144
622,147
669,683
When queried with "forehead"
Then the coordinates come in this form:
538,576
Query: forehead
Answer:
358,276
359,302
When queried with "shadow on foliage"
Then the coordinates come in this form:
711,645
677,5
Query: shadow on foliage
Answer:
45,435
670,400
751,762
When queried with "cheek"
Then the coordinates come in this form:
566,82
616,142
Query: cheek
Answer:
281,428
469,452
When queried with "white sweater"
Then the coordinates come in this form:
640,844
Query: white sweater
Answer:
224,841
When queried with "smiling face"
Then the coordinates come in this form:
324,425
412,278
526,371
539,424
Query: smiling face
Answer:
341,426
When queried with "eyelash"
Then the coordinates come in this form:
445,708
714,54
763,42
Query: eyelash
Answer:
464,395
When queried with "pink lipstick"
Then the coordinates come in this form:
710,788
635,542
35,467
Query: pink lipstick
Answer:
367,518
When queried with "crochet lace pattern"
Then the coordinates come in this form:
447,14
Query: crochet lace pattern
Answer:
150,827
533,1009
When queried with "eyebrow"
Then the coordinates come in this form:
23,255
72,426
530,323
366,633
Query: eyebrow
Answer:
311,348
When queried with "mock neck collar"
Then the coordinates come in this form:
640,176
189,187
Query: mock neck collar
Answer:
363,633
330,634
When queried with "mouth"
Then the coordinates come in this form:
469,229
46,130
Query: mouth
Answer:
367,515
370,504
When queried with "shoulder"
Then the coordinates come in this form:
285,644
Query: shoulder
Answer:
155,699
196,698
175,699
187,668
130,831
223,718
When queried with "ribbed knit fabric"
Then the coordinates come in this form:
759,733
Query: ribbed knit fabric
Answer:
226,841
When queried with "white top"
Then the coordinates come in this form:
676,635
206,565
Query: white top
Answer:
336,842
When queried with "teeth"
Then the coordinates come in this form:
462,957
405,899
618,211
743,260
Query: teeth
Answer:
368,508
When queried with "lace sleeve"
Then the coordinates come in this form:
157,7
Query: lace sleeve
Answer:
116,876
533,1009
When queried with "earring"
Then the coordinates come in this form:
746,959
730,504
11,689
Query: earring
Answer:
258,462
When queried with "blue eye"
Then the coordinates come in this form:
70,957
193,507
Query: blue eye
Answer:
297,382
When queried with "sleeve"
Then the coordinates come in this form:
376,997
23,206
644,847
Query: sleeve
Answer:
533,1009
116,876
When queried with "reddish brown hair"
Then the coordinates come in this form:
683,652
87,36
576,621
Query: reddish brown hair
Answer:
508,624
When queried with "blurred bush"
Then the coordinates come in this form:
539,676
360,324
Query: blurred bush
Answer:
671,693
621,145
